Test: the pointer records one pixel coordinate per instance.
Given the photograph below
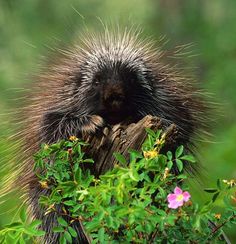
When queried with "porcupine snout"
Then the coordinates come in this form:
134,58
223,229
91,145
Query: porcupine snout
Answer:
114,100
114,97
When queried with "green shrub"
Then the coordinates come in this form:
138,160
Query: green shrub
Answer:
140,200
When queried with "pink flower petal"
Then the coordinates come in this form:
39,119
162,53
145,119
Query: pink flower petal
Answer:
180,203
177,190
171,197
173,205
186,196
178,198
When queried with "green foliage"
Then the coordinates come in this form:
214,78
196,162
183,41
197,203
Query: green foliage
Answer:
126,204
22,231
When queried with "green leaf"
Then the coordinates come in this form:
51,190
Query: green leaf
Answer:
69,185
122,212
197,221
92,225
35,223
169,155
70,203
119,157
31,232
188,158
55,146
182,176
219,184
148,228
11,239
101,235
22,240
179,151
161,160
161,212
162,193
158,133
14,225
8,238
58,229
131,219
206,208
23,214
169,164
88,160
171,219
68,236
39,233
62,222
134,175
101,215
62,239
150,132
215,196
78,175
109,221
72,231
136,154
179,164
210,190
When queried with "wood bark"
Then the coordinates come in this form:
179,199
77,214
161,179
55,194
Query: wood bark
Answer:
120,138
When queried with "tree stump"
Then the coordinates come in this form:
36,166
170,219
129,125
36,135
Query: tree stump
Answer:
120,138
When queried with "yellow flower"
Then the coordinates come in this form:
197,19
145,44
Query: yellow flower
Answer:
218,216
73,138
150,154
166,173
231,183
161,140
45,147
44,184
158,141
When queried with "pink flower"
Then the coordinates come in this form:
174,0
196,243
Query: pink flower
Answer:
178,198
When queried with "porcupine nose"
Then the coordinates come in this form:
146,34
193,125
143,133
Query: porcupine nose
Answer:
114,97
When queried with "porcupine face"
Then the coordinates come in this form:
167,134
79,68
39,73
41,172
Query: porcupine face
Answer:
114,77
118,91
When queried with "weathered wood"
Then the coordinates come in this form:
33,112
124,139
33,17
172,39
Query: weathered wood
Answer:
120,138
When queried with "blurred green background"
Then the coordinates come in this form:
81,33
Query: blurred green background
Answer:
29,28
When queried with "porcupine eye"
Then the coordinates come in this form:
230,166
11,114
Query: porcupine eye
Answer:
97,81
129,76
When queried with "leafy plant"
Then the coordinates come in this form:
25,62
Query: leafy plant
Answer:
21,231
140,200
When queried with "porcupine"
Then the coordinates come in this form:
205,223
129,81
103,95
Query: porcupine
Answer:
107,79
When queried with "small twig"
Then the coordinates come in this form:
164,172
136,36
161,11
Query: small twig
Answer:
153,236
221,225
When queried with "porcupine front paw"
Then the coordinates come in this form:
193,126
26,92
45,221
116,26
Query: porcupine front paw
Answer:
56,126
92,125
